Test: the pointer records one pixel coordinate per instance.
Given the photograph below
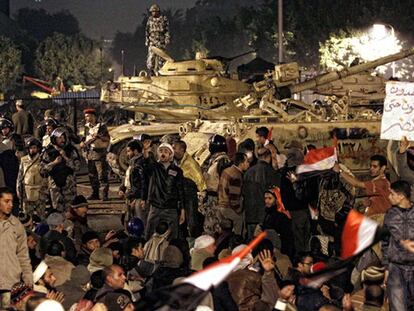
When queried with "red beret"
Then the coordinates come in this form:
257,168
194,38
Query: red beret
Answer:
89,111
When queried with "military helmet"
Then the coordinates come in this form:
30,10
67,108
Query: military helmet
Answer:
33,142
217,143
52,122
6,123
58,132
155,8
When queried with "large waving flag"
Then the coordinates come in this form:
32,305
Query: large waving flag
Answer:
358,235
321,159
191,290
217,272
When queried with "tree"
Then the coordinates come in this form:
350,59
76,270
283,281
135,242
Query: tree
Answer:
341,49
40,24
75,59
10,64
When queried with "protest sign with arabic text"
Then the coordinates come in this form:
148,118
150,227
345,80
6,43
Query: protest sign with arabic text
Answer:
398,116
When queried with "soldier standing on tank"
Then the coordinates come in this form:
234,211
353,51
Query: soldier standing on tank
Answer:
218,162
95,145
31,186
156,35
59,162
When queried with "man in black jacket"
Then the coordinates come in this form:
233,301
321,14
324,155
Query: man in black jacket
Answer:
256,181
166,192
135,188
399,220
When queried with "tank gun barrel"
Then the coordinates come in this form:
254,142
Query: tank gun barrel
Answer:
348,71
229,59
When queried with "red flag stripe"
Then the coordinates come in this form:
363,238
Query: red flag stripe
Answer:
317,155
218,271
359,233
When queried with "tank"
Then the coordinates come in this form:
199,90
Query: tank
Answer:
269,103
182,90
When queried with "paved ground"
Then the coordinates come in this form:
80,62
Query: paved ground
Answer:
103,216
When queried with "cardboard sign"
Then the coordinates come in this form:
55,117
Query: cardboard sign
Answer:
398,116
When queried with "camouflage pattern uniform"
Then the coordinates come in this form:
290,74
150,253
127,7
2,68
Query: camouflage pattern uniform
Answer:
157,34
31,186
210,208
61,177
96,152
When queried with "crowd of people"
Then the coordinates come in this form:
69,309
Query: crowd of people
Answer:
181,217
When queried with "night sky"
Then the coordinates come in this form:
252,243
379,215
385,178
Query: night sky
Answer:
102,17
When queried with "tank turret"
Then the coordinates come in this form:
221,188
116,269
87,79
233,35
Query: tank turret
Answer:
285,77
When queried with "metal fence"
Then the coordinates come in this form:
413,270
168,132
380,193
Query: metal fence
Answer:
68,110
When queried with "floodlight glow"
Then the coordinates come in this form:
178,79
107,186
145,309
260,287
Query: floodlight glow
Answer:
378,31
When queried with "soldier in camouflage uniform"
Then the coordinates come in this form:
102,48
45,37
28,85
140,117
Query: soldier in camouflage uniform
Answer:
31,186
157,34
95,146
218,161
12,140
59,162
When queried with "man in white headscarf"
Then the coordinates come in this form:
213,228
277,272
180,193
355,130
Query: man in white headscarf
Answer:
166,192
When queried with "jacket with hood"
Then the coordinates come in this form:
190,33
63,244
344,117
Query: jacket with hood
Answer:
155,247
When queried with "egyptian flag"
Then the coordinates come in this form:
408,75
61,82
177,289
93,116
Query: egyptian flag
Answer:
190,292
317,278
358,235
317,161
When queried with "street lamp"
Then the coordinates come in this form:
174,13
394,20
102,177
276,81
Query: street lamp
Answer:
381,33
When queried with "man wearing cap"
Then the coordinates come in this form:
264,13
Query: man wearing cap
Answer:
20,293
166,192
55,222
90,242
95,146
15,262
43,278
156,35
31,186
77,215
23,120
204,247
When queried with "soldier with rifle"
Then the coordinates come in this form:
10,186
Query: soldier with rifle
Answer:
31,186
94,145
